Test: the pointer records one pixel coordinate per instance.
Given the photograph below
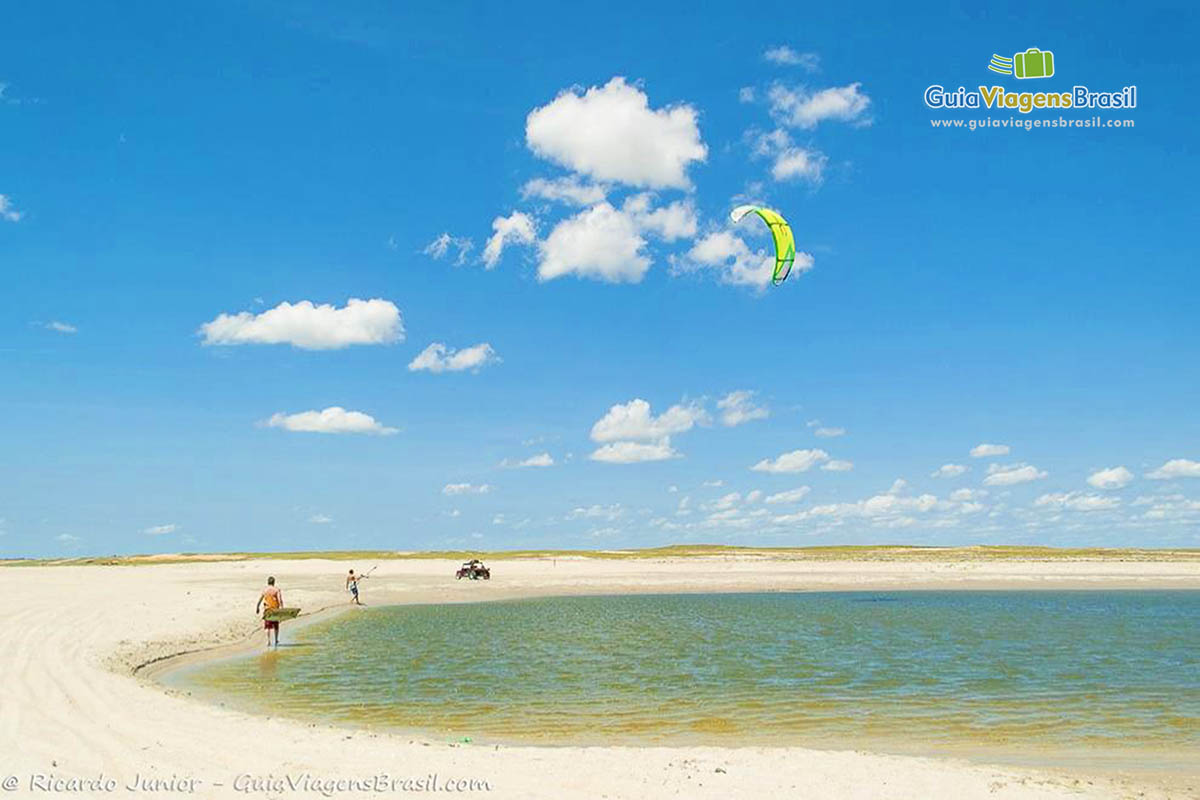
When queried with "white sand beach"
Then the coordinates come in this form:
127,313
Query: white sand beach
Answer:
73,708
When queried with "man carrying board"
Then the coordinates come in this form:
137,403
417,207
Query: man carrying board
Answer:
270,600
352,584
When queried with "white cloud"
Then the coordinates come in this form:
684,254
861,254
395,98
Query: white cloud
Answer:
633,452
790,496
611,134
539,460
746,94
517,228
437,357
1012,474
730,258
634,420
676,220
8,211
160,530
61,327
320,519
714,484
600,242
334,419
795,461
439,247
1176,468
66,538
786,56
309,326
451,489
739,407
1111,478
790,161
988,450
1077,501
964,495
567,189
829,433
948,471
610,513
800,108
837,465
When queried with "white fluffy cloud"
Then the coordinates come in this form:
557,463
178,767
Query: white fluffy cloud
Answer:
728,256
8,211
451,489
837,465
1013,474
795,461
633,452
786,56
800,108
948,471
61,327
517,228
826,432
1077,501
539,460
320,519
441,246
634,420
676,220
739,407
437,357
309,326
1176,468
161,530
611,134
334,419
789,160
600,242
790,496
569,189
986,450
1111,478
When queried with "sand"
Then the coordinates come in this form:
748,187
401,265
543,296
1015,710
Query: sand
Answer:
81,710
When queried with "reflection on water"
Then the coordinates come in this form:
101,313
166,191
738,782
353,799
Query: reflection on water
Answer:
1111,670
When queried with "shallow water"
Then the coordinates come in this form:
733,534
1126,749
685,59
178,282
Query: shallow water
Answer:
1112,672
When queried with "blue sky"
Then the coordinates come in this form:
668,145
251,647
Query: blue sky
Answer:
1033,290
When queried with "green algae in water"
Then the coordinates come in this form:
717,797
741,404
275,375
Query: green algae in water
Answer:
1111,671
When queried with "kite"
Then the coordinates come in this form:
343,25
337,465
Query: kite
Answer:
785,243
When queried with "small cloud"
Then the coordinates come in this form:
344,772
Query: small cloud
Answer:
829,433
1176,468
539,460
1013,474
795,461
443,244
790,496
516,228
160,530
451,489
635,420
1077,501
746,94
787,57
989,450
310,327
1111,478
437,357
67,539
738,408
635,452
61,327
837,465
800,108
714,484
8,211
948,471
334,419
320,519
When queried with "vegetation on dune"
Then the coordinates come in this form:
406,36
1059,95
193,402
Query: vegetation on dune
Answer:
882,553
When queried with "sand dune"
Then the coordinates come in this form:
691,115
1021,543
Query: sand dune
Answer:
73,709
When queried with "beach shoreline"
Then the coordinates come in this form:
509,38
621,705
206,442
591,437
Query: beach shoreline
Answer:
83,678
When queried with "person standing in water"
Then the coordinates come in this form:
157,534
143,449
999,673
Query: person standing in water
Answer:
270,599
352,585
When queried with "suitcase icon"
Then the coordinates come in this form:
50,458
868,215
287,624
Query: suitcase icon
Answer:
1033,63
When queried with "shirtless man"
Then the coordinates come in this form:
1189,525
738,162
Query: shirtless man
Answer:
352,585
271,598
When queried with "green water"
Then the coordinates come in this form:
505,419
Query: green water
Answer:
1112,672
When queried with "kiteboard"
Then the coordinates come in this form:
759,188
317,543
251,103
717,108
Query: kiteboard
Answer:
280,614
